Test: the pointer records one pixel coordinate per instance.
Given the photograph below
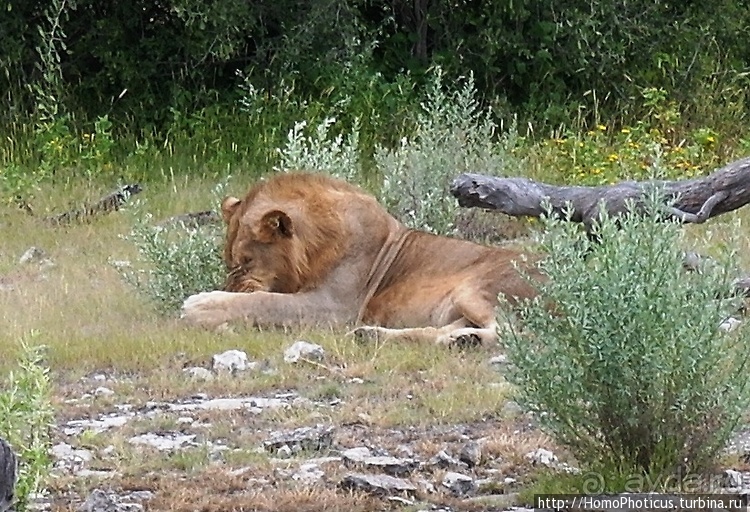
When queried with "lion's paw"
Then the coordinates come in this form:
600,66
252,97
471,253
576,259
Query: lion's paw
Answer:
207,309
463,339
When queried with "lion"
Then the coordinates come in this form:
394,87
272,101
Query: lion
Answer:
304,249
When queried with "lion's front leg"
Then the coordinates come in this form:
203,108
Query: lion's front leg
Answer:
212,309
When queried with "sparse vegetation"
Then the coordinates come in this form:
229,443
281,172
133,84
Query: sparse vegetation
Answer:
26,417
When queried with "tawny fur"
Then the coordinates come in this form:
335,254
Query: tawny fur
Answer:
305,249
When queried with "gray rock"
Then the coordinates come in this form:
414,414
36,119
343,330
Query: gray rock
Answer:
389,465
304,350
101,501
75,427
232,361
163,442
355,454
309,474
230,404
379,485
315,438
458,484
471,454
69,456
197,373
443,460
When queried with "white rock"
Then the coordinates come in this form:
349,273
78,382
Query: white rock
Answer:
162,442
304,350
542,456
730,324
732,479
231,361
309,474
32,255
498,360
198,373
102,391
284,452
67,454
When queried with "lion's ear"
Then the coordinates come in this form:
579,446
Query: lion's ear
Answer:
228,206
275,225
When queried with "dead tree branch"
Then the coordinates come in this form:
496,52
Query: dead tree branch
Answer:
690,201
107,204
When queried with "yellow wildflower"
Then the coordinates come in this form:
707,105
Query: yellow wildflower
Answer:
613,157
601,127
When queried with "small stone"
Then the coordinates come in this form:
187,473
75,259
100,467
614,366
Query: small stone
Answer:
542,456
69,455
443,460
231,361
471,454
379,485
732,479
499,360
198,373
102,391
284,452
730,324
303,350
32,255
458,484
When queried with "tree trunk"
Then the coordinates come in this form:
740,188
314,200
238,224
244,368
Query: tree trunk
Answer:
690,201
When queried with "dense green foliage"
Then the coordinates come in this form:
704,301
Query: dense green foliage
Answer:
175,57
631,371
87,84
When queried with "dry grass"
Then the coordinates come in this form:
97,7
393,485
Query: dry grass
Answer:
384,395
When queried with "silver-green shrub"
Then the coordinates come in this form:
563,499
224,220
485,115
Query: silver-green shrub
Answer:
453,134
26,417
174,261
320,152
622,358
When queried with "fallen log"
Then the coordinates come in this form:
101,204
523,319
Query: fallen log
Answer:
107,204
689,201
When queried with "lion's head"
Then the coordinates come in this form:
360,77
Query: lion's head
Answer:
285,235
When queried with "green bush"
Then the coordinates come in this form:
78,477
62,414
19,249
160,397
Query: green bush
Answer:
453,134
623,360
174,261
25,420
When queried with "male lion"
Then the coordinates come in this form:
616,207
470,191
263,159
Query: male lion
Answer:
306,249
